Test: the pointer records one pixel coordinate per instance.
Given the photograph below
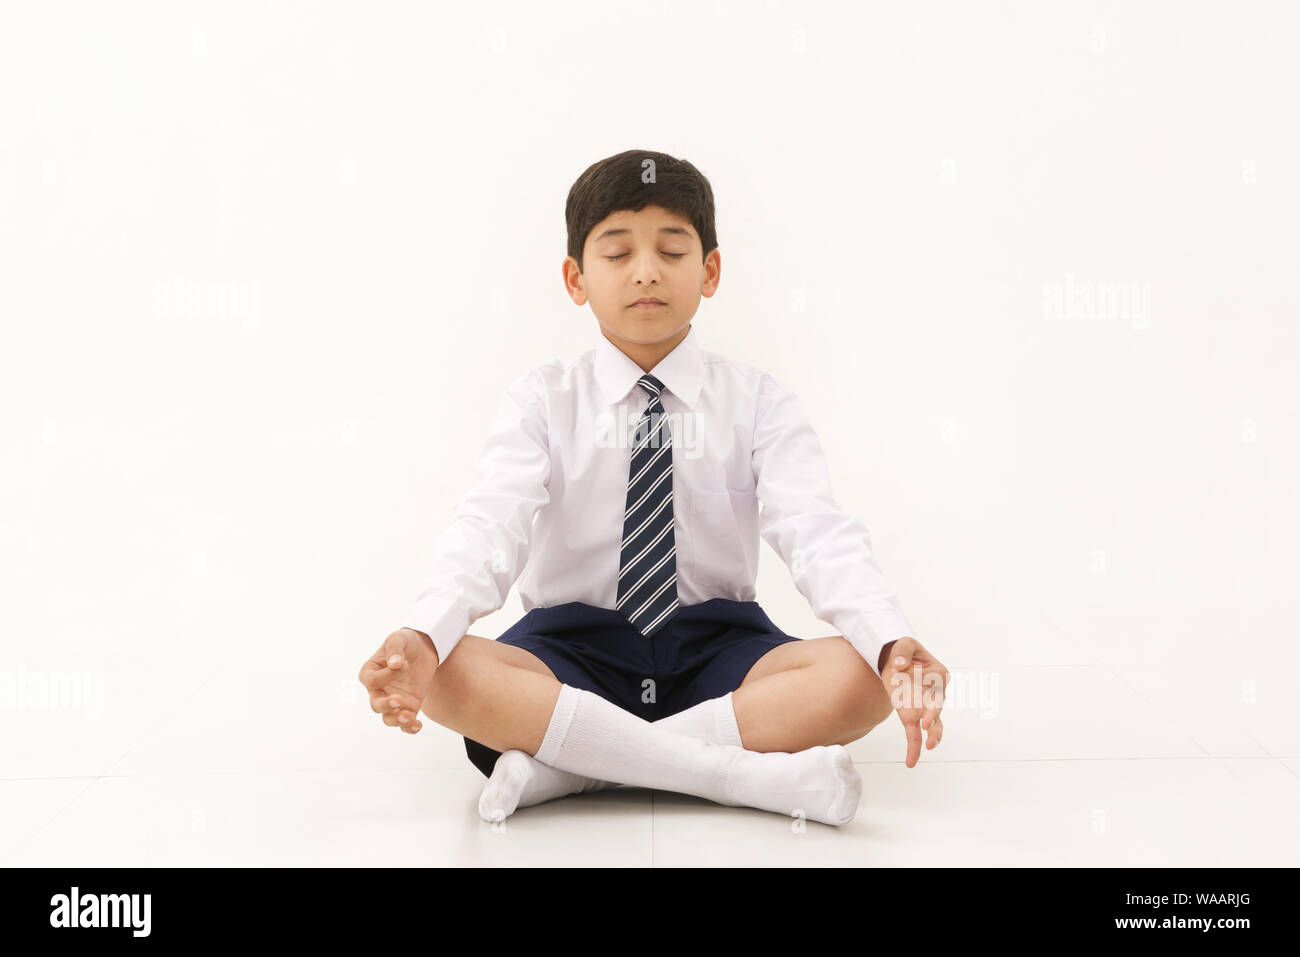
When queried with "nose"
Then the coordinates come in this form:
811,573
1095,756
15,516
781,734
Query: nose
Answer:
646,271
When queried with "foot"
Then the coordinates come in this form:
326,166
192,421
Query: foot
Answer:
820,782
520,780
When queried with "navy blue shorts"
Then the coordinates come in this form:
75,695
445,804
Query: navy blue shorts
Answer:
703,652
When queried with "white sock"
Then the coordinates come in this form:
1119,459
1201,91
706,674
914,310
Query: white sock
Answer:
520,780
597,739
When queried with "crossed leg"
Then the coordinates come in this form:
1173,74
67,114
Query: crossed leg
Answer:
801,694
818,691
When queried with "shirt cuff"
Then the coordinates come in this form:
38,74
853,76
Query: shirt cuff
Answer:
870,631
443,619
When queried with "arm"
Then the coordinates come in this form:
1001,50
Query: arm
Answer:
484,549
827,550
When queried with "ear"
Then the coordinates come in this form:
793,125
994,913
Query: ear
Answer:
573,281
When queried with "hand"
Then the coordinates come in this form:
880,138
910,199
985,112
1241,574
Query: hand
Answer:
917,683
399,675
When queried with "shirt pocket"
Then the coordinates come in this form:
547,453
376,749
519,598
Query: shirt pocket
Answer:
717,557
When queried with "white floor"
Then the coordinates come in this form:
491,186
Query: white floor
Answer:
1073,753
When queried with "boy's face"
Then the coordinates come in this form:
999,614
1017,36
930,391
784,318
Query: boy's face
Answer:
647,254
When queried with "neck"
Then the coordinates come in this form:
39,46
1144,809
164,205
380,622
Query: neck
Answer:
647,354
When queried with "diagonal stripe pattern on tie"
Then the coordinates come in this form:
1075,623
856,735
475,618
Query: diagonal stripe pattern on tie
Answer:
647,573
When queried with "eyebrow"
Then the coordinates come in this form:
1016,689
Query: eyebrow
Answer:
671,230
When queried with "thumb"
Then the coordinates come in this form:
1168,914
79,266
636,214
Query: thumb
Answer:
902,662
394,650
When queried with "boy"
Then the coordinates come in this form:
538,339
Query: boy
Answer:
643,658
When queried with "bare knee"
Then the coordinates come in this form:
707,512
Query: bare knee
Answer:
858,694
454,678
494,693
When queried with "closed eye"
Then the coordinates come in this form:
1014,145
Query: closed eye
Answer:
621,255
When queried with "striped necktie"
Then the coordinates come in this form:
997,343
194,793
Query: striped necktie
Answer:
647,574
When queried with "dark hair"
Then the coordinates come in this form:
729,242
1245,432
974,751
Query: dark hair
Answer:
618,182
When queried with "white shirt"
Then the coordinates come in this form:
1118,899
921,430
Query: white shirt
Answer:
551,488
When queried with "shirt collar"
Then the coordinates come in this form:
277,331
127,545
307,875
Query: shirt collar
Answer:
681,371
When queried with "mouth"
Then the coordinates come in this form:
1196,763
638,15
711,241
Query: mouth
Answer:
647,303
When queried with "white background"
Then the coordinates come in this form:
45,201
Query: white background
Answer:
265,270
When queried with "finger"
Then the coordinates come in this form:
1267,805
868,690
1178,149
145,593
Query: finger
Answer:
907,648
933,705
383,701
909,665
904,696
386,662
408,721
934,734
404,719
895,666
913,730
906,690
376,673
912,648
